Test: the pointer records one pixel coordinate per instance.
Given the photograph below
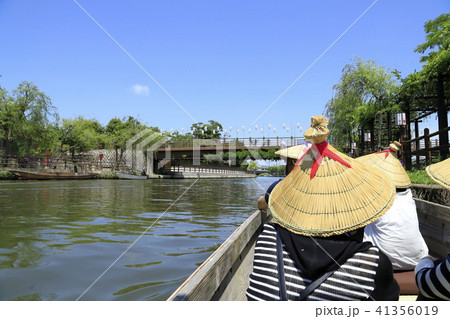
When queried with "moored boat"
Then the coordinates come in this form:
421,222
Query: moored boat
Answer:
47,175
225,274
130,176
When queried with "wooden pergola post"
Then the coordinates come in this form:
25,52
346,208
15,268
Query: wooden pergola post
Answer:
407,146
416,128
442,118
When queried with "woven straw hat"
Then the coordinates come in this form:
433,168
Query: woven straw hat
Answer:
294,152
329,193
440,172
318,130
388,162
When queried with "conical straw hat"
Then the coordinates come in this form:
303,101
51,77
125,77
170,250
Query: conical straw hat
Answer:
294,151
440,172
326,197
388,162
318,131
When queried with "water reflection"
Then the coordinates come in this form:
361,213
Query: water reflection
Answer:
57,237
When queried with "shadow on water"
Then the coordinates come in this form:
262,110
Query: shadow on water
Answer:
58,237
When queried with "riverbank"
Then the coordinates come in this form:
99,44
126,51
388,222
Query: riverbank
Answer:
7,175
429,192
432,193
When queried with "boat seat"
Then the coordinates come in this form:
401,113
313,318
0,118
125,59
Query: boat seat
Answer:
407,282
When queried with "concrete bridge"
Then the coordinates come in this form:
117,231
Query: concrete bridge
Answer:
205,146
193,150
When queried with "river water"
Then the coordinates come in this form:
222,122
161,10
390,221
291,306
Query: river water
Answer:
114,239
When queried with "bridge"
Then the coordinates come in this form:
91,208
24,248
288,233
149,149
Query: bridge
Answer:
182,148
193,150
239,143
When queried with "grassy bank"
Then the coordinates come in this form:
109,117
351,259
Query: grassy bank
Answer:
7,175
420,177
106,176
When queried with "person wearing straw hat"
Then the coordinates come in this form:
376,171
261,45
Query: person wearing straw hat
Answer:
440,172
433,276
290,154
397,232
308,252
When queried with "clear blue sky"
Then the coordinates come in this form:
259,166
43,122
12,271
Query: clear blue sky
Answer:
226,61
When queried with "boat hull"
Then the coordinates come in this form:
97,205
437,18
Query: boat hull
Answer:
130,176
225,274
51,175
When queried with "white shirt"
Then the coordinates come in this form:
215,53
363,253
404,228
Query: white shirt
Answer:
397,233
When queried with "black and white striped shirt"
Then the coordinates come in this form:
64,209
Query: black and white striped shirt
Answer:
354,280
434,281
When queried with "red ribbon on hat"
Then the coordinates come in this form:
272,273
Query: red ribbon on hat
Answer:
322,150
387,152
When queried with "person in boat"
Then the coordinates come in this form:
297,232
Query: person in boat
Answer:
290,155
309,252
397,232
433,276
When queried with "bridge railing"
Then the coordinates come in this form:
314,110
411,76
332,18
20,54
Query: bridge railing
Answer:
208,169
275,142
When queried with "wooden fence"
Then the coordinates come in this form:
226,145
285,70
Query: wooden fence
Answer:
423,150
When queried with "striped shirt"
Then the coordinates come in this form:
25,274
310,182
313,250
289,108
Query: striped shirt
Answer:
434,281
354,280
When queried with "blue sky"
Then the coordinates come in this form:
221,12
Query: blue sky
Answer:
176,62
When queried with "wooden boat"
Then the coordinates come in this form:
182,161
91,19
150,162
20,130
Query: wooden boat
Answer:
44,175
130,176
225,274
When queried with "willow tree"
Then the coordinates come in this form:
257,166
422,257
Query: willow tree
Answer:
363,96
341,110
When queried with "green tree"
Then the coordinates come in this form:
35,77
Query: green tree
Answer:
80,135
212,130
277,170
424,92
436,47
26,120
119,131
252,166
437,69
181,140
363,96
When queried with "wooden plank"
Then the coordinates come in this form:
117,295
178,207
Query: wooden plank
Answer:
210,280
434,223
237,281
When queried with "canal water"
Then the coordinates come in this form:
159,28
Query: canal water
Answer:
114,239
